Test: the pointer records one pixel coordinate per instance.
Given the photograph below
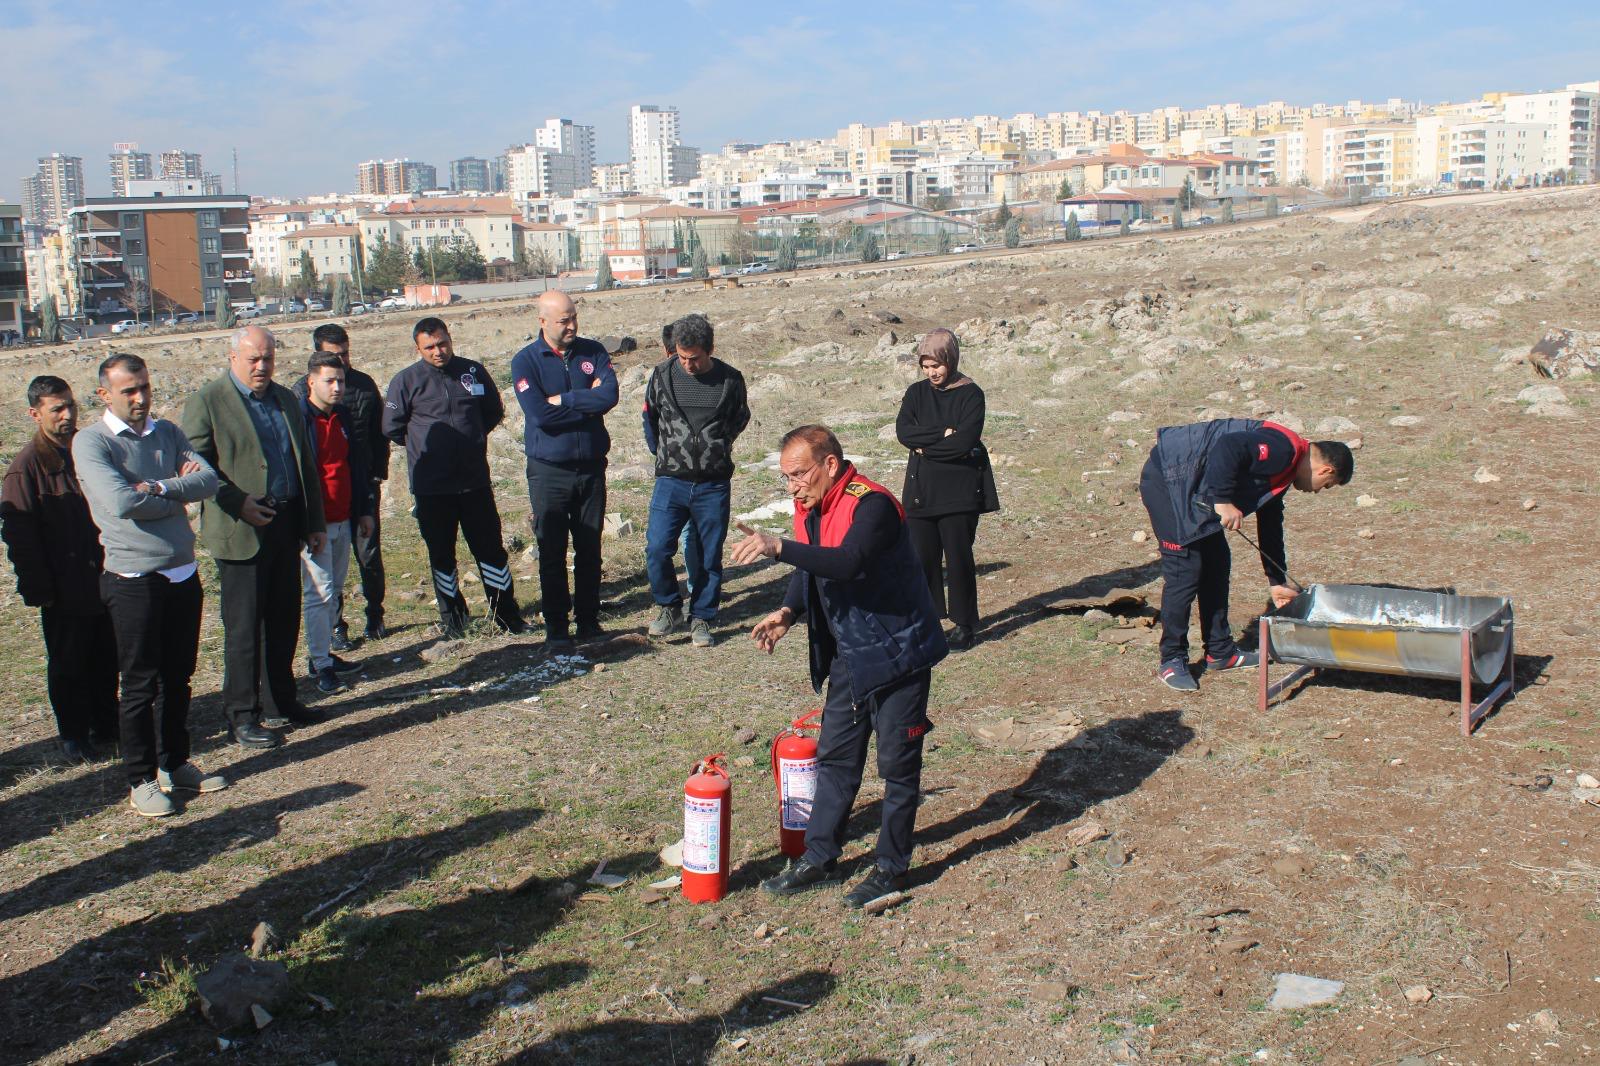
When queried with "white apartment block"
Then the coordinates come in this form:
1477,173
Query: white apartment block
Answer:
1483,154
1571,113
660,165
534,171
652,133
1377,157
1282,156
569,138
903,185
612,179
968,180
489,220
332,250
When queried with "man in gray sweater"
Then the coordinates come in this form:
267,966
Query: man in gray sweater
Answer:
138,473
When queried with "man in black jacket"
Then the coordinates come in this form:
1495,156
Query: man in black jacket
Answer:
1199,482
695,407
55,550
442,408
364,400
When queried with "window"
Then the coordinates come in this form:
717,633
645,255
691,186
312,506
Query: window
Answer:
213,294
133,246
211,245
460,222
213,269
416,242
209,219
132,220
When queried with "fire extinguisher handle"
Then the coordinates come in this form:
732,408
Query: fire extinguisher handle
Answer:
805,720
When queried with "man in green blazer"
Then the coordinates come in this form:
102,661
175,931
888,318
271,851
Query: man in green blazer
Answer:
268,506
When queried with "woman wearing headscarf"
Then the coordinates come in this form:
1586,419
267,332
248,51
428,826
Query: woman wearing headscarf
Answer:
948,480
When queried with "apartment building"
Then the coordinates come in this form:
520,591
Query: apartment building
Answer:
418,223
1380,158
161,255
547,241
652,138
334,252
1571,114
569,138
53,190
1281,156
640,235
908,185
967,180
470,174
612,179
1481,155
52,269
128,164
395,177
13,268
534,171
176,163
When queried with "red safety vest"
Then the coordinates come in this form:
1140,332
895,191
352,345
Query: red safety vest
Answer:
839,507
1280,482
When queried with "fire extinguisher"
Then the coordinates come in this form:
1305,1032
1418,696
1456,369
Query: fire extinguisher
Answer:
794,771
707,812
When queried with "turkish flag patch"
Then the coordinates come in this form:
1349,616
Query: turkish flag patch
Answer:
1261,452
522,384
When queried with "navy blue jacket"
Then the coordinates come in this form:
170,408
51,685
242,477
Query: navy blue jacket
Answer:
574,432
1230,460
866,600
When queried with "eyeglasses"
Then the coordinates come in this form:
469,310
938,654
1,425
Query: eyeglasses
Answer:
789,481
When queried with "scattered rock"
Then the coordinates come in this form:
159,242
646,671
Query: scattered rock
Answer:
441,650
260,1016
1294,991
1366,501
1140,536
710,921
887,317
1483,476
1529,504
263,940
235,984
1563,353
884,902
616,526
1124,416
1086,833
762,931
1116,856
1052,991
672,854
1587,781
1405,421
1546,1022
1095,614
745,735
1237,945
1365,534
695,980
1418,994
1336,424
1289,866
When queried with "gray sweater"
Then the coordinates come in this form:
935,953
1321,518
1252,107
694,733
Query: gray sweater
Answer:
142,532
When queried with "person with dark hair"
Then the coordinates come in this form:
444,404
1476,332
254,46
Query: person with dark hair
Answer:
442,409
1200,481
346,503
364,402
267,508
948,481
695,408
139,473
56,553
688,543
566,386
873,636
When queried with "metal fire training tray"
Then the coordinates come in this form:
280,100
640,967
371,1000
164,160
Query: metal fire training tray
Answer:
1404,632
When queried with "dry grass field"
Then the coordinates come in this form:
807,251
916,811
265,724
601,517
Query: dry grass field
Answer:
423,854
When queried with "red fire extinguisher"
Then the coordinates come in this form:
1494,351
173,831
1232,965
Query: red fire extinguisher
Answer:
794,771
707,812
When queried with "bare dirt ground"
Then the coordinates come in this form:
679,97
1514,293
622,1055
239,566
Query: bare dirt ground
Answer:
423,855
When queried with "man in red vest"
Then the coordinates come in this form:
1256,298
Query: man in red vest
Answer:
1199,482
873,635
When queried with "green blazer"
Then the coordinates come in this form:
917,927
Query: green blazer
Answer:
218,425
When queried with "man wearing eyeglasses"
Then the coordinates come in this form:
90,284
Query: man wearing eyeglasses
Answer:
873,635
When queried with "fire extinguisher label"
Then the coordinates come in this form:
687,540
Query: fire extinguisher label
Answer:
702,835
798,779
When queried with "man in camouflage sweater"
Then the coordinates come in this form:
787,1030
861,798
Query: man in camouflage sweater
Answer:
695,408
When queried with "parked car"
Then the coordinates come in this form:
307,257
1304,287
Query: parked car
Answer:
247,311
360,308
892,256
182,318
315,305
755,268
1204,220
964,248
9,338
391,303
129,325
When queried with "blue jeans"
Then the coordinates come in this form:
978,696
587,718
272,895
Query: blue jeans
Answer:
702,506
689,548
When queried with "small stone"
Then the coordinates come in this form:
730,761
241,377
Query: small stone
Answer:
1051,991
1095,614
745,735
1366,501
1087,833
1418,994
672,854
1116,855
695,979
1365,534
1237,945
744,760
740,1043
1546,1022
1288,867
1587,781
1483,476
263,940
1332,735
1529,504
884,902
650,895
1405,421
259,1015
237,983
710,921
762,931
1140,536
1294,991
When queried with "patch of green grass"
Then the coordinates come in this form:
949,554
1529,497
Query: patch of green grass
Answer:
1256,1006
1404,506
1110,1030
169,991
1549,747
1145,1016
1063,1014
1513,536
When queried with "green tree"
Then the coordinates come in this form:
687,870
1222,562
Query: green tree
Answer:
691,238
870,251
1065,191
1227,210
942,242
677,238
787,259
306,281
700,267
49,321
1186,195
1014,232
264,284
1124,229
225,318
1074,231
1177,216
1002,216
1272,207
603,280
341,296
466,260
806,236
939,201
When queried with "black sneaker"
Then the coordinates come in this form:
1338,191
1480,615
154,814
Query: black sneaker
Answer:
328,681
875,885
591,631
345,666
377,630
799,877
559,642
299,714
1239,660
1174,673
961,638
340,641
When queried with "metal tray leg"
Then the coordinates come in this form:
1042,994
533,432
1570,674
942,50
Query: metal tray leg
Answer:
1267,690
1472,714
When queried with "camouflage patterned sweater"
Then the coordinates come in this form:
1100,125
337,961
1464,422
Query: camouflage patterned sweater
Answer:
692,439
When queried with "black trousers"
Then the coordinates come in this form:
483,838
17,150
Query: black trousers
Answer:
568,503
474,514
157,626
944,546
1199,570
80,673
261,622
370,568
898,714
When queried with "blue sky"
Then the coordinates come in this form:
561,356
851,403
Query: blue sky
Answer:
305,91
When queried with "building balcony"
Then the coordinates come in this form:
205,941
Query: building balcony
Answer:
104,283
233,229
104,257
236,253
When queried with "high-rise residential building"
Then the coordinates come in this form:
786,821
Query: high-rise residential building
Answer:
565,136
54,190
612,179
13,268
161,255
652,142
1571,112
394,177
470,175
176,163
128,164
533,172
